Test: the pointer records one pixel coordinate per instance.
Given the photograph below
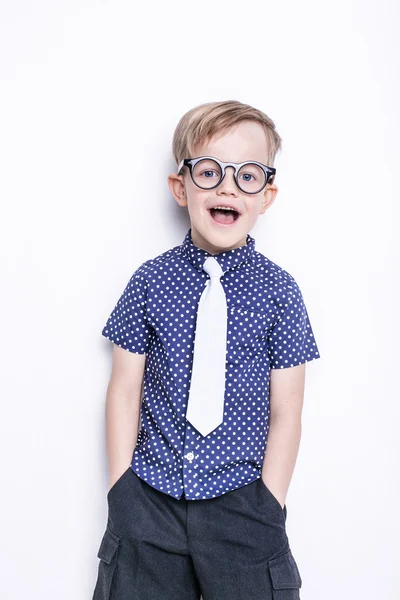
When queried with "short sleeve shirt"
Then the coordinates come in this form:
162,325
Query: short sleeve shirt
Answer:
268,328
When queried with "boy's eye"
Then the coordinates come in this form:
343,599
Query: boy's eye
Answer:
247,176
208,174
206,169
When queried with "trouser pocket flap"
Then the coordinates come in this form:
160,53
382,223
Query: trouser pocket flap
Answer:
108,546
285,576
107,565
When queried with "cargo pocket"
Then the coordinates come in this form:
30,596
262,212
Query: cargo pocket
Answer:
285,577
108,553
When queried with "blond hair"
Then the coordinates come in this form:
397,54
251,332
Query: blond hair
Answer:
202,122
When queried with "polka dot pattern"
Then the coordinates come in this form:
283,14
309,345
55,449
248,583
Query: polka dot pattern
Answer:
268,328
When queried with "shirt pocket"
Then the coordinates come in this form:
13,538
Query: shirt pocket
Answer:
247,331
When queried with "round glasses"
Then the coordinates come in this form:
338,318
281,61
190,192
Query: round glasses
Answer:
207,172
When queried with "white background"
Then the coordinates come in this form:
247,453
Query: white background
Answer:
91,93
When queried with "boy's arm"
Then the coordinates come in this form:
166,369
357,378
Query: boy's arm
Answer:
286,403
123,410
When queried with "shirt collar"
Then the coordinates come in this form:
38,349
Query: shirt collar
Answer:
227,260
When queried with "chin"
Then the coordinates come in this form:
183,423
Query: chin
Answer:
220,237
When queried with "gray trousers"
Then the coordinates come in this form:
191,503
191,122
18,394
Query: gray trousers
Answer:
232,547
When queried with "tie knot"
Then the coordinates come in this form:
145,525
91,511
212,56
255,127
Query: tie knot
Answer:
212,267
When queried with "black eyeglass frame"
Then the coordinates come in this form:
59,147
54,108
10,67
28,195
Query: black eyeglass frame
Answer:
191,163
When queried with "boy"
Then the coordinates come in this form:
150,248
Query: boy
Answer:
219,336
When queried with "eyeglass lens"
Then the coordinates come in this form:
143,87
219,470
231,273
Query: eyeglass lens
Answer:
207,174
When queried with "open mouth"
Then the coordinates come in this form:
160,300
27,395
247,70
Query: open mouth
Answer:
224,216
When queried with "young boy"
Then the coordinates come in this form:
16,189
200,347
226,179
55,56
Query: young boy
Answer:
218,335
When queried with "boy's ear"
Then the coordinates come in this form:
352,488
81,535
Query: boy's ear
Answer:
177,187
269,196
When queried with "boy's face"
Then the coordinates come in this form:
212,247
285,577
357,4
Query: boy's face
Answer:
244,142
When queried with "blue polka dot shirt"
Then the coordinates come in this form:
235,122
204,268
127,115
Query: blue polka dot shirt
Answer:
268,328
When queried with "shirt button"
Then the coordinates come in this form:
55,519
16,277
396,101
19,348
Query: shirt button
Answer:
189,456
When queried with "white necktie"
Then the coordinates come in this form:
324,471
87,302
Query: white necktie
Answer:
207,388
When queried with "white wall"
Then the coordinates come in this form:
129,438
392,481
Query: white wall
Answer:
91,93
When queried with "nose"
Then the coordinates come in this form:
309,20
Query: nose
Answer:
228,184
